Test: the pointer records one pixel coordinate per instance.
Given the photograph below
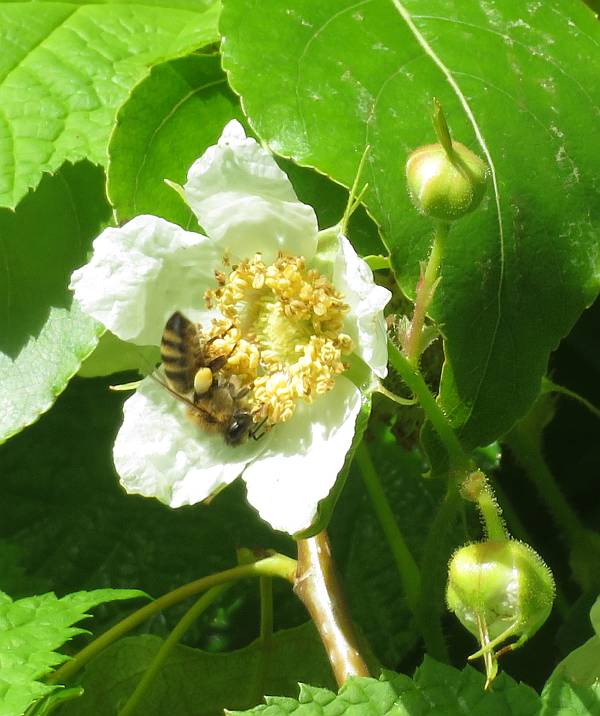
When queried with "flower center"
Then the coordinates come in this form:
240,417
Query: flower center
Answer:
282,329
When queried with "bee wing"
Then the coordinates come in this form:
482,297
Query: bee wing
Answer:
182,398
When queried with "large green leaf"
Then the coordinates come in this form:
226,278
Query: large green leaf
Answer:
43,335
66,67
436,689
195,683
519,85
31,630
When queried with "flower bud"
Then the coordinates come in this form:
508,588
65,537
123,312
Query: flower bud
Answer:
445,185
499,589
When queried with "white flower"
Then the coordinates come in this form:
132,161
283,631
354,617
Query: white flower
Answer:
286,314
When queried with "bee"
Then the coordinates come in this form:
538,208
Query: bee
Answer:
215,402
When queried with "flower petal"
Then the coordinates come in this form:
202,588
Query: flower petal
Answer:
243,199
365,323
301,464
141,273
160,453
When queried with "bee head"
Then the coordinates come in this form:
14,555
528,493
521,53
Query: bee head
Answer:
238,429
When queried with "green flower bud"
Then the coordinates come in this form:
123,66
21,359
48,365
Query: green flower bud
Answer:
499,590
445,183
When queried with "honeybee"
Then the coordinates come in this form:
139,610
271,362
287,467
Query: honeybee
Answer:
215,402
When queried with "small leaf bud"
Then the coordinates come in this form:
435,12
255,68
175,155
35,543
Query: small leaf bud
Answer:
445,185
499,589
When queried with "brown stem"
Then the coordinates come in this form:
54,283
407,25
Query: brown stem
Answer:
318,587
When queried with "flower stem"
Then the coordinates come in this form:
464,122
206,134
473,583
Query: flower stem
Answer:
393,397
555,388
169,644
407,567
433,574
266,635
525,446
424,295
266,611
318,587
459,460
277,565
476,488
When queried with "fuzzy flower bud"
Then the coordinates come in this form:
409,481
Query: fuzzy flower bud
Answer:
499,589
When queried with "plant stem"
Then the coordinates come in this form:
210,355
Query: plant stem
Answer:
382,390
277,565
525,446
266,611
410,575
555,388
169,644
424,295
490,513
266,635
431,598
476,488
459,460
318,587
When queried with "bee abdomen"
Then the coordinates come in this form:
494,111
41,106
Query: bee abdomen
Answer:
176,352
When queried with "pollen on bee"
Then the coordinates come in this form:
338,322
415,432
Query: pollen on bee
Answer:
203,381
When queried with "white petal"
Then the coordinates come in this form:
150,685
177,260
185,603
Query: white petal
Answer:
160,453
243,199
365,323
300,466
141,273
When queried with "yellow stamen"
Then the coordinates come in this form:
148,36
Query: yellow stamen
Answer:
282,330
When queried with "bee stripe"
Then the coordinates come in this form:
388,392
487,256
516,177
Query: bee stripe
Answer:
178,378
171,343
175,360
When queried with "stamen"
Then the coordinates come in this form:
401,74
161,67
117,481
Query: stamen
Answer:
282,331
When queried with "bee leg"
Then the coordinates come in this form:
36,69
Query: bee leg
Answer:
217,363
254,433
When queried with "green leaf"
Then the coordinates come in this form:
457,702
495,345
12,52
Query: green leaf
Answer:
112,355
31,630
525,95
560,697
74,62
13,577
192,681
43,336
436,689
166,124
582,665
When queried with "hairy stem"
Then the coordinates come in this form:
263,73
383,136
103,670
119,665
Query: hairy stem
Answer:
277,565
459,460
424,294
433,574
318,587
169,644
410,575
